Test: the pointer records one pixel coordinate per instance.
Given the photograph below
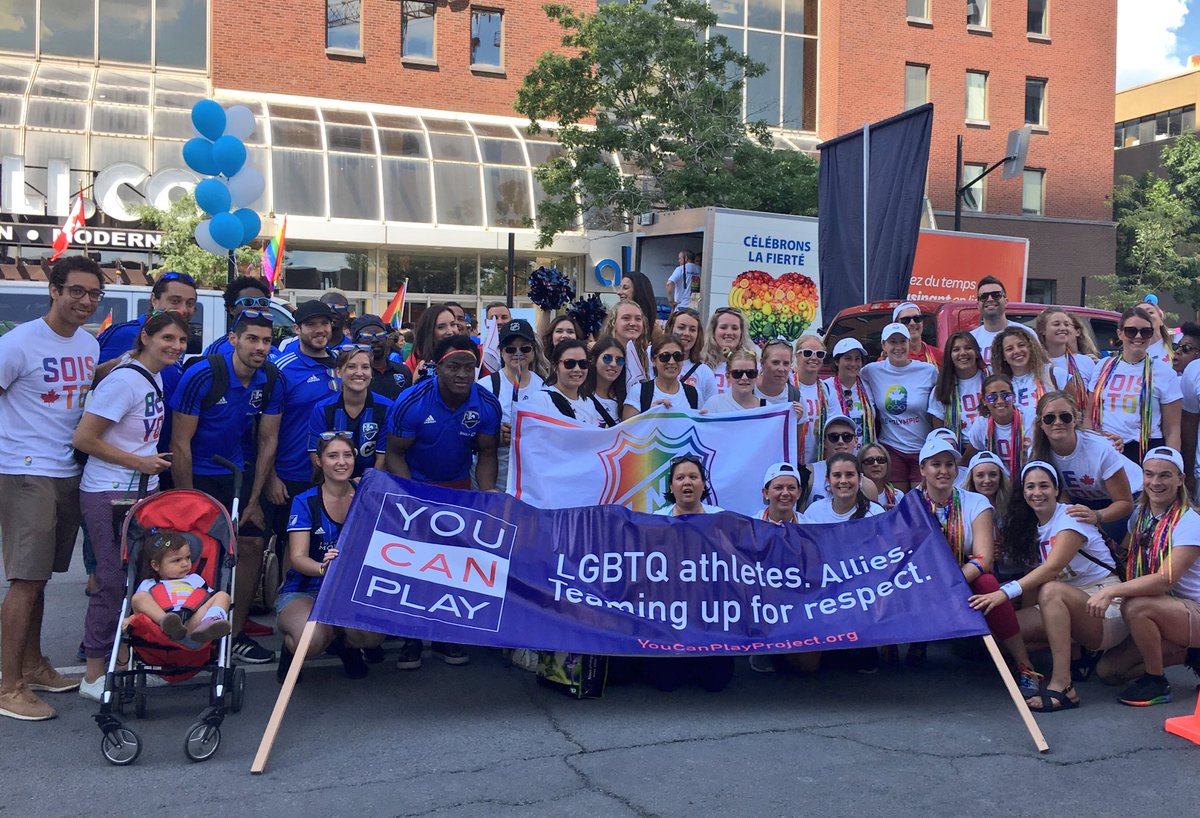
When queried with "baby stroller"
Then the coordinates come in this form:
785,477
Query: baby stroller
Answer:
211,534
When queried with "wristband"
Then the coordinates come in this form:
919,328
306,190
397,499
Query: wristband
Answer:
1011,589
321,570
1099,519
977,564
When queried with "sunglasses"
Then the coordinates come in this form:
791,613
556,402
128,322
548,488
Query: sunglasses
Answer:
739,374
819,354
777,342
78,293
153,313
337,435
874,461
997,397
263,314
687,458
518,350
358,347
572,363
173,276
263,303
1186,349
1137,332
1064,418
724,310
609,359
373,336
994,295
667,357
840,437
911,319
341,309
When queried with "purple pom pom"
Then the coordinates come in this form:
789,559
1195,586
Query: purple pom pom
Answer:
589,313
550,289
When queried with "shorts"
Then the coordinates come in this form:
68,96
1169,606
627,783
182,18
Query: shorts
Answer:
220,488
287,597
1193,612
1116,630
39,520
905,466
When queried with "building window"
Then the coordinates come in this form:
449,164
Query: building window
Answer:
916,85
1033,193
918,9
973,196
1038,21
1035,102
1041,291
786,95
977,13
417,30
487,39
976,96
343,24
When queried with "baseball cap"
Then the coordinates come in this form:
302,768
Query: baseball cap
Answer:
943,433
780,469
935,445
1164,453
845,345
365,321
832,419
518,327
894,329
310,310
906,305
987,457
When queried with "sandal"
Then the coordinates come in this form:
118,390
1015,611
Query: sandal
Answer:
1083,667
1051,701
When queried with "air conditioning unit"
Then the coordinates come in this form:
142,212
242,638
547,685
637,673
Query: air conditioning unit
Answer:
645,219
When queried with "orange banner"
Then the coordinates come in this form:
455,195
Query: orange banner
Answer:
948,265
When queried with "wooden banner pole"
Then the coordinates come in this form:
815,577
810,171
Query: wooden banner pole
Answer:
281,702
1019,700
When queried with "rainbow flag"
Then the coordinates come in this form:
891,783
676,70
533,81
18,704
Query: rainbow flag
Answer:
105,324
273,256
396,308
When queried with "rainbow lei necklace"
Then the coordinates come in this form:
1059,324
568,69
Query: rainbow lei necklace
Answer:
1150,546
1075,380
822,414
1145,404
1016,452
952,526
868,414
954,413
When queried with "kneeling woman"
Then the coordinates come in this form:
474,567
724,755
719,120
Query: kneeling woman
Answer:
314,526
845,500
1072,563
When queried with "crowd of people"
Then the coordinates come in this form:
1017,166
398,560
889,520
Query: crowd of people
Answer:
1061,479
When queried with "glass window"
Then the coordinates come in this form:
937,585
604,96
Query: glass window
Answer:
417,30
487,43
181,30
973,196
342,24
128,79
1160,125
428,273
16,26
1145,130
294,112
1037,17
298,182
10,110
54,89
800,16
1174,122
1041,291
41,147
177,124
918,9
403,123
332,115
353,187
287,133
977,13
542,152
800,83
125,30
1119,135
977,96
916,85
350,139
485,129
730,11
1035,101
175,99
121,120
1032,192
764,14
402,143
506,191
123,96
406,191
452,146
447,125
459,194
109,149
68,27
67,116
169,154
501,152
13,85
1188,122
762,93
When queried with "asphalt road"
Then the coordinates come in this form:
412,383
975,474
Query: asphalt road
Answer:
485,740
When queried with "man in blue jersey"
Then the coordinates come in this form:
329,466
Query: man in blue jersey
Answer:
433,431
212,411
171,291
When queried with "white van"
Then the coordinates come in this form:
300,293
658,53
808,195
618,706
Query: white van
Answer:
21,301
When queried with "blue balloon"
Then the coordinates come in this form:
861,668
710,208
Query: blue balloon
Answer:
230,154
213,196
197,153
226,230
209,118
251,223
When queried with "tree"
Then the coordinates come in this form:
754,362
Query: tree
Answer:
179,251
645,84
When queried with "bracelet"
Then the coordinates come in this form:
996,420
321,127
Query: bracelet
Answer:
977,564
1011,589
1099,518
322,569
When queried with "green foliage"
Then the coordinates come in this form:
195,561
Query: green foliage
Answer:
179,250
668,102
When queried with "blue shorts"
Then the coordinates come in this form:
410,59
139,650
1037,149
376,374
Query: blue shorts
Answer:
286,597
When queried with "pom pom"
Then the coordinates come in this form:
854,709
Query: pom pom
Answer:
589,313
550,289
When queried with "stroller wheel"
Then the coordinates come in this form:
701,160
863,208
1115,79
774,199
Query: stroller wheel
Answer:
237,690
121,746
202,741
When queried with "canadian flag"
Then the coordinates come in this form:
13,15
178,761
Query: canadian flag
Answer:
74,222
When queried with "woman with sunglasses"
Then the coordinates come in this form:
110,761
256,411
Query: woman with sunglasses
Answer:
1072,563
956,397
1161,597
838,437
436,323
1160,348
1018,355
354,409
847,388
1135,397
685,324
665,390
314,526
727,332
743,377
910,315
900,388
1058,335
1001,428
605,382
562,328
563,391
874,463
810,397
516,382
1099,479
687,488
845,500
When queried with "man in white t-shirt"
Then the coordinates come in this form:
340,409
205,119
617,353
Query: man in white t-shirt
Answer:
993,299
46,368
684,281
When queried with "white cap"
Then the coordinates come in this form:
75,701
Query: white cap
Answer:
987,457
778,470
1164,453
936,445
845,345
838,418
944,433
907,305
894,329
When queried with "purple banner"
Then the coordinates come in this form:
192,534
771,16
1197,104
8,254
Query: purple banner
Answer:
486,569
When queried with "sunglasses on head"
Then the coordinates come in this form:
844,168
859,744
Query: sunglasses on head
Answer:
1137,332
373,335
341,309
911,319
262,303
572,363
173,276
739,374
263,314
994,295
667,357
840,437
512,350
724,310
608,359
996,397
1064,418
687,458
819,354
877,460
162,312
337,435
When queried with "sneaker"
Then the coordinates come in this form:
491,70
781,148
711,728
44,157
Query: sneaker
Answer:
1029,681
48,680
247,650
373,656
410,655
450,653
212,629
22,704
353,664
1147,690
92,690
762,663
252,628
173,627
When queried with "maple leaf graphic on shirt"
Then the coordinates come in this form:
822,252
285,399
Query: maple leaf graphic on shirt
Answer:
1087,480
49,397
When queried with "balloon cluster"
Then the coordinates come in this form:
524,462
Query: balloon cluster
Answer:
219,153
589,313
780,307
550,289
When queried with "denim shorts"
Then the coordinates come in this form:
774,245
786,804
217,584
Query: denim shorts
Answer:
286,597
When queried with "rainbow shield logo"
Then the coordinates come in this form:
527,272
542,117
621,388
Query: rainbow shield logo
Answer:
636,468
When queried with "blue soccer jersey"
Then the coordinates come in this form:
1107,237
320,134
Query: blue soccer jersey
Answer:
444,439
305,382
120,338
369,428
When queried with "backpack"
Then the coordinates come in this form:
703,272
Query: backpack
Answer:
689,391
220,380
81,457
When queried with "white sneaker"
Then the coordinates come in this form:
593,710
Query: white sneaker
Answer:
92,690
762,663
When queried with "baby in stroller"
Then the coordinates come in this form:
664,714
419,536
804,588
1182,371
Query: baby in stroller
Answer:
179,601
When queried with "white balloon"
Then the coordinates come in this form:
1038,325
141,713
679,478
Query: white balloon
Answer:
205,240
239,122
246,186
